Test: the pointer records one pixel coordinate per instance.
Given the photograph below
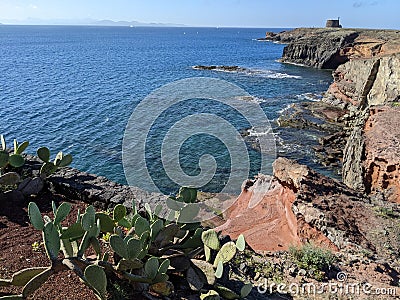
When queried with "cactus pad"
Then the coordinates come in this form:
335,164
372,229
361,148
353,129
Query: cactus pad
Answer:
225,254
151,267
119,212
16,160
106,223
119,246
51,240
96,277
62,212
210,239
44,154
34,216
4,158
241,243
47,169
24,276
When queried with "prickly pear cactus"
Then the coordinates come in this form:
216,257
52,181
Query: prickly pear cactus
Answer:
96,278
14,159
35,217
151,267
210,239
52,241
187,194
44,154
49,167
19,149
146,249
4,155
119,246
241,243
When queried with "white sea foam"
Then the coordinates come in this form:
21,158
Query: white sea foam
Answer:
262,40
268,74
255,72
285,109
279,75
254,132
251,99
309,97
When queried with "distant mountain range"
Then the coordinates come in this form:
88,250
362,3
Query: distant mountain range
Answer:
33,21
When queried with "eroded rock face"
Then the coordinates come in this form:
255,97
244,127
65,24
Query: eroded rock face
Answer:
375,81
269,226
367,76
301,206
366,85
382,152
323,53
386,87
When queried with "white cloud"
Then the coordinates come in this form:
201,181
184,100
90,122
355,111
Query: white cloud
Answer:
365,3
33,6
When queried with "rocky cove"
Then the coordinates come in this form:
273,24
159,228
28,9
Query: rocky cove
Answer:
357,217
361,113
365,95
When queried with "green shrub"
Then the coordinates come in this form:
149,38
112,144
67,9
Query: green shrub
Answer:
387,213
317,261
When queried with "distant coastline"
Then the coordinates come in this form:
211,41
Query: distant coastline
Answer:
87,22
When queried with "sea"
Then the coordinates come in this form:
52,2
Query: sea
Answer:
74,88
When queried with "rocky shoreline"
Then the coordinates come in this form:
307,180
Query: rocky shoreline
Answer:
365,95
358,217
361,113
328,48
361,110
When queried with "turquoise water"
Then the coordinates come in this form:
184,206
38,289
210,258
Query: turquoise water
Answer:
73,88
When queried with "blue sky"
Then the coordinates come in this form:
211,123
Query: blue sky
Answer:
236,13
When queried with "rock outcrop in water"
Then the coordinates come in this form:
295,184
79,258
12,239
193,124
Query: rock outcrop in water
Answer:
220,68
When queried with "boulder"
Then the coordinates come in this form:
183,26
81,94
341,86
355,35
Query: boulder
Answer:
301,206
31,186
99,190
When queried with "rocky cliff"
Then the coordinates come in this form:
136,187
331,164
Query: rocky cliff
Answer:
367,87
327,48
370,89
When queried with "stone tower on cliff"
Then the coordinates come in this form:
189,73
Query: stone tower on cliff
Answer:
333,23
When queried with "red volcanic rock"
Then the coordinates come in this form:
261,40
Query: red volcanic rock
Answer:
300,206
336,89
271,224
382,152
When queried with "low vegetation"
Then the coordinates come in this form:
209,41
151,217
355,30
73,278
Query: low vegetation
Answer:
315,260
12,160
146,250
